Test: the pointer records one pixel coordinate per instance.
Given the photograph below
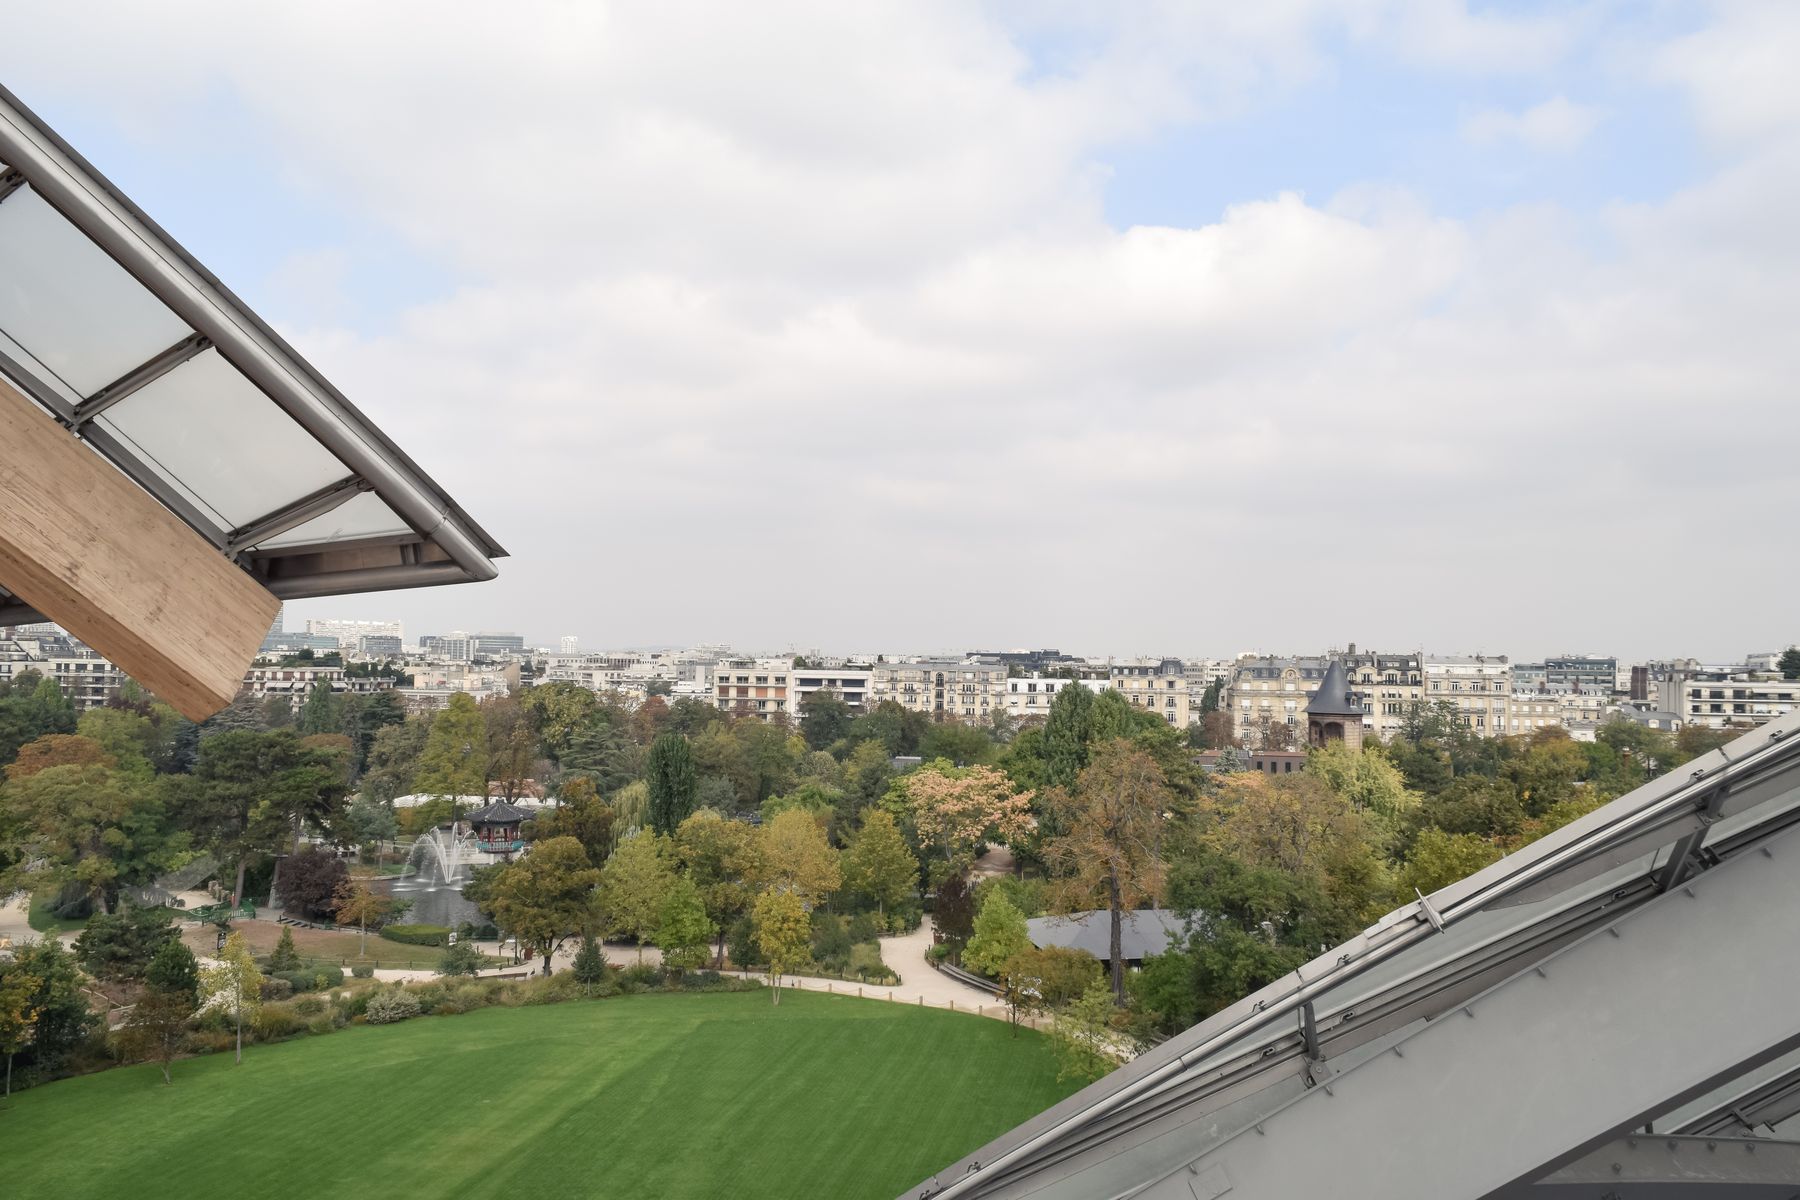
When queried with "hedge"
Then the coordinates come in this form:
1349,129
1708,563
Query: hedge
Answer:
312,978
417,935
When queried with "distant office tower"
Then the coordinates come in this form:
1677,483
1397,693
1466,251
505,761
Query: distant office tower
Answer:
496,645
569,644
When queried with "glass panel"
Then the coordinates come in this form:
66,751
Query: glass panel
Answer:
215,432
364,515
71,306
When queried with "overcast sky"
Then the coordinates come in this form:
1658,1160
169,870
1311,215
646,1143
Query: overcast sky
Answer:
1188,328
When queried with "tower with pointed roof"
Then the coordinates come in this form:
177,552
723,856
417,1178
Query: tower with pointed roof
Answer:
1334,714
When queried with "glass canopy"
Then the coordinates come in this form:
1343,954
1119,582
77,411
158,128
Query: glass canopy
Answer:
132,345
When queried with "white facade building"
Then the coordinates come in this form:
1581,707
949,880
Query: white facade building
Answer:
348,633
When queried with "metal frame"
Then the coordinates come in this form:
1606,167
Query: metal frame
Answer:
35,154
1192,1101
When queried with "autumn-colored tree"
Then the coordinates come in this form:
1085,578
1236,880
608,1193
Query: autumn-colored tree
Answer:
1439,859
1112,851
356,903
18,1016
233,980
156,1027
796,858
1294,823
723,859
58,750
954,809
783,934
579,813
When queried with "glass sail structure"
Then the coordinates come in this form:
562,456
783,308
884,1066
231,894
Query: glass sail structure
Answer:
128,342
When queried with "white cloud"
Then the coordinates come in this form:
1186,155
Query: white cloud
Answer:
1557,125
806,323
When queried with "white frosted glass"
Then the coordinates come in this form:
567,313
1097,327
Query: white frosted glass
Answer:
364,515
208,428
73,308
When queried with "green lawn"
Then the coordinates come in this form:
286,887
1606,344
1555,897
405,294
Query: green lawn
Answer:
40,918
641,1096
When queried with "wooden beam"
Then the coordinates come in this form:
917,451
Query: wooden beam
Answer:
101,557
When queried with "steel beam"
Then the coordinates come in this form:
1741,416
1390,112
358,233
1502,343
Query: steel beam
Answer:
10,182
139,377
292,516
1655,1167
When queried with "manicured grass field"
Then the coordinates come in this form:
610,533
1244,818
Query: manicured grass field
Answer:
641,1096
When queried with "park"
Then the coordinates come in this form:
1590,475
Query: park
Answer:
652,1095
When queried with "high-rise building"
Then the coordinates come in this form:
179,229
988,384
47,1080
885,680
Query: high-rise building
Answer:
497,645
568,644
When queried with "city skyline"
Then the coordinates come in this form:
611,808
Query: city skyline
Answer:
1402,321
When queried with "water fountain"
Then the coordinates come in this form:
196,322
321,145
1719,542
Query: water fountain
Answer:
436,870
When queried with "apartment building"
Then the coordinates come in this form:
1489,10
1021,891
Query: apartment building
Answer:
1270,689
965,689
1479,686
86,679
293,683
1532,711
1160,687
1031,695
1388,684
852,684
451,647
760,687
1717,697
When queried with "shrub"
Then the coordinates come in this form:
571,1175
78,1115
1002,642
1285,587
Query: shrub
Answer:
384,1008
276,989
272,1022
417,935
700,981
865,961
461,959
309,882
865,927
363,970
639,976
313,979
322,1024
831,941
309,1006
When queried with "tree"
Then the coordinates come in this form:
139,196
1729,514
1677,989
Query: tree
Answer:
95,829
1113,847
63,1017
605,753
30,707
999,934
235,980
321,711
58,750
898,729
545,897
878,863
1789,663
512,746
358,904
824,718
581,814
796,858
392,761
1067,732
18,1016
1057,974
156,1027
721,857
953,741
1082,1036
669,772
954,914
250,791
285,956
955,809
558,711
632,887
683,929
367,822
121,946
783,934
174,970
461,959
454,761
309,882
1439,859
589,966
